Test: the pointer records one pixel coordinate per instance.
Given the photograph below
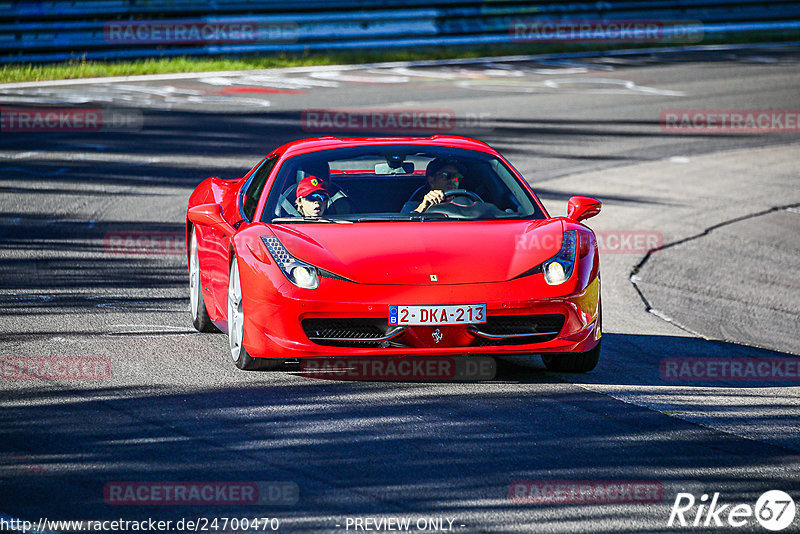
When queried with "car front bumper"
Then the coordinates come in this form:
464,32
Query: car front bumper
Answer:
275,311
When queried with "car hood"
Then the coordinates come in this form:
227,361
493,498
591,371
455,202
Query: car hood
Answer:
460,252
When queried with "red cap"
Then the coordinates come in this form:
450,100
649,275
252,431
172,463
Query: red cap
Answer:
310,184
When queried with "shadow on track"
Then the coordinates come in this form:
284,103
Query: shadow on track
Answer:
347,444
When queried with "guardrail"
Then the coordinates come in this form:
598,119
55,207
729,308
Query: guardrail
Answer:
58,30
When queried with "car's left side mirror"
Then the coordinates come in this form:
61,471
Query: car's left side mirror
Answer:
579,208
210,215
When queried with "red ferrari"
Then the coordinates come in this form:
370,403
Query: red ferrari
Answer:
392,247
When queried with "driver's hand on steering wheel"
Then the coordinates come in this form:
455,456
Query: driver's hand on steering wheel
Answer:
430,199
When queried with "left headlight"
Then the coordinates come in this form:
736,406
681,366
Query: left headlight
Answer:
298,272
558,269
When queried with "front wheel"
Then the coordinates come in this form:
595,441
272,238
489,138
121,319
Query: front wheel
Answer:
577,362
200,319
239,354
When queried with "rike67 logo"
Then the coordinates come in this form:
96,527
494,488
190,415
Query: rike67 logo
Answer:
774,510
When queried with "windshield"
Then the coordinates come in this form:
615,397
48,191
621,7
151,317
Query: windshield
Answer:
390,183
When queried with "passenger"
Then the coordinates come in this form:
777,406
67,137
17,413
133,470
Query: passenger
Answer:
312,197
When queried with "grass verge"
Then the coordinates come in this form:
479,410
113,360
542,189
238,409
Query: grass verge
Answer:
81,68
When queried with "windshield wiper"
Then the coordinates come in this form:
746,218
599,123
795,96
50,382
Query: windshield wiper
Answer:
435,216
378,218
405,217
282,220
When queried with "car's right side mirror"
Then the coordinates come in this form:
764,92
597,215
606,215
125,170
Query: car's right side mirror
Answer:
579,208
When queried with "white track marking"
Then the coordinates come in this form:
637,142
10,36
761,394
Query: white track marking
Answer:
61,339
406,71
268,80
81,156
40,97
340,76
229,101
20,155
573,85
160,97
520,71
149,330
121,303
282,82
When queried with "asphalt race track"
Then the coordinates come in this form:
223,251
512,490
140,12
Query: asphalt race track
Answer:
721,209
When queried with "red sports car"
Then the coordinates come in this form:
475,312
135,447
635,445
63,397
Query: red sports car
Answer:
392,247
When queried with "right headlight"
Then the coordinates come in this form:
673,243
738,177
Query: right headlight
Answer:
558,269
298,272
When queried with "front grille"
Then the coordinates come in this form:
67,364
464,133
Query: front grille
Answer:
522,324
517,329
350,332
370,332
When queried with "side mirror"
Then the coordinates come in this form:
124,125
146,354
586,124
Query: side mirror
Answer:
579,208
210,215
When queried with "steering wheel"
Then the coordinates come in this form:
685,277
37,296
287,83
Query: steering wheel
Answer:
461,193
477,209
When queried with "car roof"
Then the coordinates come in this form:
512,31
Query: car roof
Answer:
304,146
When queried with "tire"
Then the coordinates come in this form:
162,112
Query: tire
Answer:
238,353
580,362
200,319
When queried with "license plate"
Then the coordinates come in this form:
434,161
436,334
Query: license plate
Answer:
425,315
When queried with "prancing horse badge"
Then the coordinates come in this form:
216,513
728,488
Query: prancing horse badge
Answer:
437,335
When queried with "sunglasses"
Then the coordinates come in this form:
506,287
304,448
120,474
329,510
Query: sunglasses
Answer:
317,197
449,175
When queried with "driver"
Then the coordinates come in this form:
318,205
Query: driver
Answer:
312,197
443,175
